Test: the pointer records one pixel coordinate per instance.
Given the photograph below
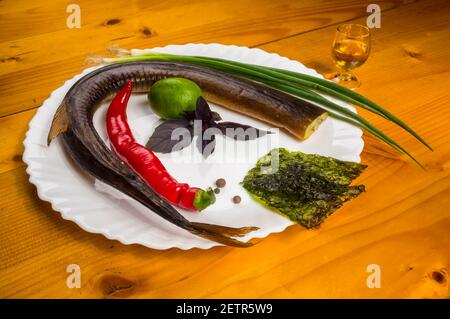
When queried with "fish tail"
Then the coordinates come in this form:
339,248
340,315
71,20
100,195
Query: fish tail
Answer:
137,189
223,234
60,123
228,231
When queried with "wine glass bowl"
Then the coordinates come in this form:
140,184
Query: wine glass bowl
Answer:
350,49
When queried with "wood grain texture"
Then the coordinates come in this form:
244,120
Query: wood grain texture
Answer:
43,60
401,223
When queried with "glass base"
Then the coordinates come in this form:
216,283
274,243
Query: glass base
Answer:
350,81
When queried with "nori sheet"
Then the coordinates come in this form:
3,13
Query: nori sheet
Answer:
306,188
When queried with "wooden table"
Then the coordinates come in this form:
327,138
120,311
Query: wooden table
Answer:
401,224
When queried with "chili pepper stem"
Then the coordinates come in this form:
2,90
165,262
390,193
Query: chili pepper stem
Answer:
204,198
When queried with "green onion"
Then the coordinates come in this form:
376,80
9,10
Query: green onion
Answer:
354,119
301,85
324,86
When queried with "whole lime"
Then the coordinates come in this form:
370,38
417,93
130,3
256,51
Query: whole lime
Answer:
171,98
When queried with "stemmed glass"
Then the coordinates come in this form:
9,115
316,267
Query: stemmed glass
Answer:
351,47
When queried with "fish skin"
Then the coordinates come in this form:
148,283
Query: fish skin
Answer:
73,124
137,189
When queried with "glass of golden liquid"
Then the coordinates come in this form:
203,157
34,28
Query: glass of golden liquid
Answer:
351,47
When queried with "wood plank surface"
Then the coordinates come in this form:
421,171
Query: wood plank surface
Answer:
401,223
40,62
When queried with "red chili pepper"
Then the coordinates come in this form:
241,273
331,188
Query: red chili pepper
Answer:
145,162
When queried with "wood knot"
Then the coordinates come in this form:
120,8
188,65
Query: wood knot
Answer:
412,52
147,32
439,276
114,286
10,59
111,22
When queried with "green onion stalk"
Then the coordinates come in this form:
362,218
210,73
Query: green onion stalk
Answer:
303,86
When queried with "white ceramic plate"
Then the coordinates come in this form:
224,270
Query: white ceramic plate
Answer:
100,209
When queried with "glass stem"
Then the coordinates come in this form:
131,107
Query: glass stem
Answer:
345,75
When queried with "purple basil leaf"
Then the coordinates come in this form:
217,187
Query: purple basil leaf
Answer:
240,132
189,115
170,136
206,146
203,112
216,117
